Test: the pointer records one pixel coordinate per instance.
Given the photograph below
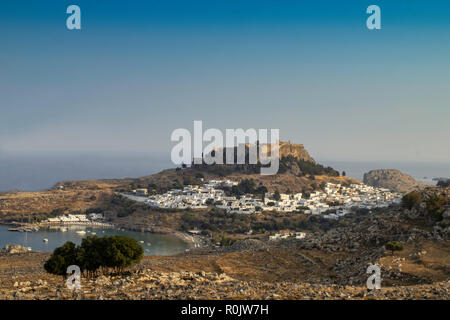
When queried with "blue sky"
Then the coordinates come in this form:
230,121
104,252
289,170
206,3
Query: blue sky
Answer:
140,69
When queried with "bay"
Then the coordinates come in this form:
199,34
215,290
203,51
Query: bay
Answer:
153,244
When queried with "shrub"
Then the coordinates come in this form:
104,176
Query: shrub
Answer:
306,167
411,200
94,210
276,195
61,259
57,212
121,252
435,205
199,175
443,225
225,242
393,246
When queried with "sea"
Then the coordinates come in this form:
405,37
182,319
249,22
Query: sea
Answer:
153,244
31,172
421,171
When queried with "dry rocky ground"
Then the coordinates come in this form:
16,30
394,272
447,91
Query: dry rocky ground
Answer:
22,277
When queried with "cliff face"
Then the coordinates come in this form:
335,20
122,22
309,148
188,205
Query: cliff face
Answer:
392,179
296,150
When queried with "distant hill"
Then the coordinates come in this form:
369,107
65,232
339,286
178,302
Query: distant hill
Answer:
297,151
294,160
442,182
392,179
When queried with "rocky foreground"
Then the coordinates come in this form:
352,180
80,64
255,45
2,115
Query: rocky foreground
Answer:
145,283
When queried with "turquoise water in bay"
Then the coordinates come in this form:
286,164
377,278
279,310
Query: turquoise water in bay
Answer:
153,244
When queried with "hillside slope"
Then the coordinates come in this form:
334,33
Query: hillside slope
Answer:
324,265
392,179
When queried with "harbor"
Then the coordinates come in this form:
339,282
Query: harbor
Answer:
27,227
47,237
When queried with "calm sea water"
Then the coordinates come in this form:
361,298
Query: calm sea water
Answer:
421,171
154,244
30,172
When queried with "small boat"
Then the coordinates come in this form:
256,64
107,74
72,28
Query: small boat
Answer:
28,248
141,241
93,233
81,232
45,240
63,229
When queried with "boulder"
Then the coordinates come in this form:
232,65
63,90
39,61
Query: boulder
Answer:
14,248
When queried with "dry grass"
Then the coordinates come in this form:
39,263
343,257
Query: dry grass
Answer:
433,262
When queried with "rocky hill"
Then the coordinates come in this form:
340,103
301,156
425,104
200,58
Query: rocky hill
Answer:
392,179
297,151
294,161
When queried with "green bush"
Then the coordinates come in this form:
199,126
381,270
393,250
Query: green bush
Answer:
225,242
393,246
62,258
435,205
114,252
411,200
94,210
276,195
306,167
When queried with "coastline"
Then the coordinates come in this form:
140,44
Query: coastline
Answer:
19,226
193,241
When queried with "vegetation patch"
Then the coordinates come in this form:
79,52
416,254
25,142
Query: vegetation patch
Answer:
411,200
109,253
435,205
393,246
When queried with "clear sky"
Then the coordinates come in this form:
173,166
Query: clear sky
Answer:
140,69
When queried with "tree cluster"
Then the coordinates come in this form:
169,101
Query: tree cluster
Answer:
113,253
306,167
411,200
